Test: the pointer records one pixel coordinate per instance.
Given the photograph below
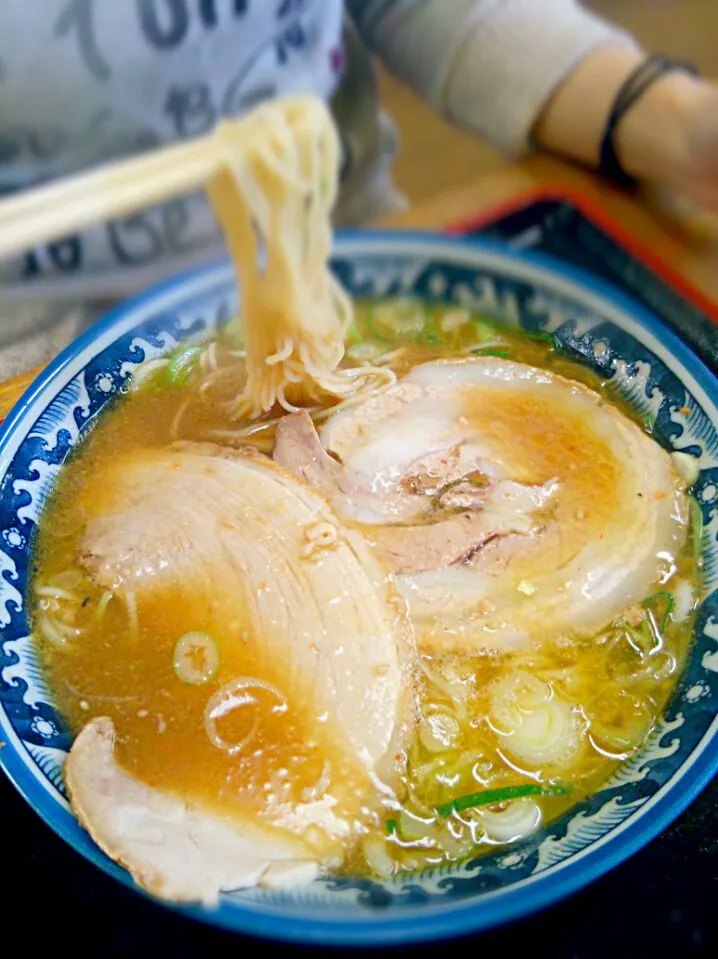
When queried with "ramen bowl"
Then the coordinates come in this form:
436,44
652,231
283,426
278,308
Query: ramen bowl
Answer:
645,364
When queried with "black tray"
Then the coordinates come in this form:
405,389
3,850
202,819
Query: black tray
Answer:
570,230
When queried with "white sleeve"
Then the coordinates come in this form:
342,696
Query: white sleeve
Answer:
488,65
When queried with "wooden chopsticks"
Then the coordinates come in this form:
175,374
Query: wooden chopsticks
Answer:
51,212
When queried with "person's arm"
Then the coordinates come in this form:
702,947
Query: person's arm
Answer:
493,65
545,73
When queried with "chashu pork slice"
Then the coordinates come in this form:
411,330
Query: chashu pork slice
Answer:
324,628
411,528
172,849
547,512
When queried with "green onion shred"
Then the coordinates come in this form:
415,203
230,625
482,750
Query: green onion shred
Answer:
490,796
491,351
544,337
484,330
668,608
181,366
697,527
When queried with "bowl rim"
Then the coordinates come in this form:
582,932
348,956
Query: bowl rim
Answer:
421,922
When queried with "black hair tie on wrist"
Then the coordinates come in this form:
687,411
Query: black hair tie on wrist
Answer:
644,76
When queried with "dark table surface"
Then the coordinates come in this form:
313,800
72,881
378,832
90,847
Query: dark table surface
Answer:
661,902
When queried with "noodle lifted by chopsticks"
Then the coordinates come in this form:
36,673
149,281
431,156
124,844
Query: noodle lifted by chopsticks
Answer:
274,198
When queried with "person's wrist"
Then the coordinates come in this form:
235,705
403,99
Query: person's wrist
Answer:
653,139
574,118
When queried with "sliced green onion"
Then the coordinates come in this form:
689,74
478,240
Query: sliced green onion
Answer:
643,641
196,658
233,331
670,603
490,796
686,466
391,320
451,320
377,856
649,422
528,589
390,826
365,352
181,366
103,603
484,330
696,514
491,351
352,335
544,337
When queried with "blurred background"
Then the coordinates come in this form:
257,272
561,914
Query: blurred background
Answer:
434,156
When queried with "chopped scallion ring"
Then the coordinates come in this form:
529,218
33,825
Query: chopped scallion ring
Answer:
196,658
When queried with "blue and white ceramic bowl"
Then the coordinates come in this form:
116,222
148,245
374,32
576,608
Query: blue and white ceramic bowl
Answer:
648,366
